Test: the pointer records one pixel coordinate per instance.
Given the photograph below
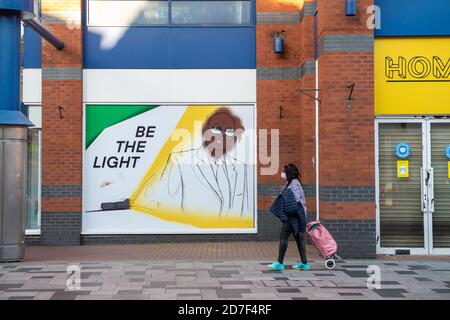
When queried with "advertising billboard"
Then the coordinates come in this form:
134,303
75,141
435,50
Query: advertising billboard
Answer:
161,169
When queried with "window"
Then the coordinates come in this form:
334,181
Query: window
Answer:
211,12
127,13
37,8
169,12
33,215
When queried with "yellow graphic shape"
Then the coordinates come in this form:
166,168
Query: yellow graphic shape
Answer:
197,219
138,202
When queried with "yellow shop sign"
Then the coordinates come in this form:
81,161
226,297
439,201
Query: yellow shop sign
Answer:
412,76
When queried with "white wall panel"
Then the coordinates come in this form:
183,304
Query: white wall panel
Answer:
32,86
169,86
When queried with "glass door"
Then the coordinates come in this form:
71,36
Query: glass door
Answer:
439,139
413,189
401,219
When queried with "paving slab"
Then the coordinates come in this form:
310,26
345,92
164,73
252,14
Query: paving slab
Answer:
236,270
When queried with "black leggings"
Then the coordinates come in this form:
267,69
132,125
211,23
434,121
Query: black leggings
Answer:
300,238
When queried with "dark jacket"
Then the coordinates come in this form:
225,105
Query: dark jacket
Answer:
289,211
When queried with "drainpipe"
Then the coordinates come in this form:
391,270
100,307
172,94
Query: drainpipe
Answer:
44,33
13,131
317,141
316,58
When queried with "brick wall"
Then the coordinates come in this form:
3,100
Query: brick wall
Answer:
347,161
62,132
279,103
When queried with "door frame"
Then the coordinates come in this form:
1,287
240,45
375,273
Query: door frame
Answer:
36,118
426,122
432,250
392,250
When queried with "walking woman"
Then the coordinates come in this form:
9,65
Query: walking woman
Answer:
290,208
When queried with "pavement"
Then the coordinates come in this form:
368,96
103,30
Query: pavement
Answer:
214,271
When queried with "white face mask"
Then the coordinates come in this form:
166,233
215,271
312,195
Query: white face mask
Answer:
283,175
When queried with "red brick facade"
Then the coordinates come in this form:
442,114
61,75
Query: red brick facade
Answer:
62,131
346,137
346,127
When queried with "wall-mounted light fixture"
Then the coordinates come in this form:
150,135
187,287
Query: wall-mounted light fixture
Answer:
278,40
350,8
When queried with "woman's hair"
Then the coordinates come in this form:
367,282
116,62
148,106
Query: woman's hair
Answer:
291,172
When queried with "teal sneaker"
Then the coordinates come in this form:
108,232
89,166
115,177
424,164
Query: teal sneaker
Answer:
276,266
305,266
301,266
297,266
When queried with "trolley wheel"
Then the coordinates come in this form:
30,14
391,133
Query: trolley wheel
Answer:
330,264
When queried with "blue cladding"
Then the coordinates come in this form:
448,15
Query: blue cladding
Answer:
10,71
232,48
414,18
17,5
172,48
32,49
9,62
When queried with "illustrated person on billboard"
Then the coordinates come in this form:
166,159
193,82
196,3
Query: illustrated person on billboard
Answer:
207,180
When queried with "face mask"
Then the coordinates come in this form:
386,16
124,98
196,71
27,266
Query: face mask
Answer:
283,175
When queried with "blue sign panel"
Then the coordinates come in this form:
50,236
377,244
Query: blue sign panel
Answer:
413,18
403,150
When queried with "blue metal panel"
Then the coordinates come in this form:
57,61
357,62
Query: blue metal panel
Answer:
23,6
32,49
138,47
10,21
212,48
165,47
414,18
9,62
10,71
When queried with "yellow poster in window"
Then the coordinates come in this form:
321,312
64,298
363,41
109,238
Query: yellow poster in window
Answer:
402,169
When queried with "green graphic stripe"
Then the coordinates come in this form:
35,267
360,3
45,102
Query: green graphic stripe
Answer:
100,117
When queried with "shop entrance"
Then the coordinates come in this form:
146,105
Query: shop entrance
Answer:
413,186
